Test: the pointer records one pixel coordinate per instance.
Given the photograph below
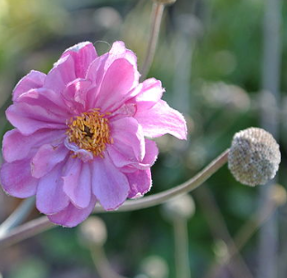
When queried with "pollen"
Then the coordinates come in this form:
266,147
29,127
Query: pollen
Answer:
90,131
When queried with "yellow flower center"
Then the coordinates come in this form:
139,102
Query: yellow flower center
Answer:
90,131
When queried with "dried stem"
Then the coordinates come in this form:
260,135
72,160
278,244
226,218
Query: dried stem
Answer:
41,224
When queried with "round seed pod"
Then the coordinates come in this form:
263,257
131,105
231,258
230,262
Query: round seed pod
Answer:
254,156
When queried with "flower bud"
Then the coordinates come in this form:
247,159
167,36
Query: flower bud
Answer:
254,156
182,206
155,267
278,194
93,231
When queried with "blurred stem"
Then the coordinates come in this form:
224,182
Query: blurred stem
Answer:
18,216
253,224
102,264
219,229
268,237
245,233
39,225
181,248
157,12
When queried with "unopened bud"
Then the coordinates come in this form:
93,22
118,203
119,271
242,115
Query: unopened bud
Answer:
93,231
278,194
254,156
155,267
182,206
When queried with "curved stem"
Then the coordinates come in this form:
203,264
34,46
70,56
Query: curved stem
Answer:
153,39
41,224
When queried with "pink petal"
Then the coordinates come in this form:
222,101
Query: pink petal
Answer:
75,95
30,118
100,67
161,119
128,134
140,183
62,73
17,146
16,179
72,216
46,158
119,50
117,85
34,79
50,197
150,93
83,54
77,182
127,164
82,154
109,185
48,99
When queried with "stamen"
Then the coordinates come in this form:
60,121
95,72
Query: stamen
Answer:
90,131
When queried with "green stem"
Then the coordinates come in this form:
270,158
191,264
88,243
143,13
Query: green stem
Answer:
41,224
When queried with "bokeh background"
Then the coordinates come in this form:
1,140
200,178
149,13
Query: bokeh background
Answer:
210,60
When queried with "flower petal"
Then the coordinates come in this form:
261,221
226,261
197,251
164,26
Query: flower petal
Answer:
34,79
150,93
114,73
50,197
75,95
61,74
47,99
161,119
109,185
83,54
127,164
72,216
140,183
46,158
16,179
128,134
30,118
17,146
118,83
77,182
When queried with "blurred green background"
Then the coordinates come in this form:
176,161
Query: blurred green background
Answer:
209,59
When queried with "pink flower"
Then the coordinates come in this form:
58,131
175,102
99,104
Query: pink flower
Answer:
80,133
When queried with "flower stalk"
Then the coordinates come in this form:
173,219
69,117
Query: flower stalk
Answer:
157,12
42,224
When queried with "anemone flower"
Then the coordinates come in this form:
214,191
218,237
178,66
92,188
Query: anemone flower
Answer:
81,133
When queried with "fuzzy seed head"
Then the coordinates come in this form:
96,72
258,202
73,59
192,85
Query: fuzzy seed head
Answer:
254,156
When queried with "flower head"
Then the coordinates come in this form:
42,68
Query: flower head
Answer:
81,133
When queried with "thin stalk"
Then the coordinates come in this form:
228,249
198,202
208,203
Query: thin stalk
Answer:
102,264
181,248
157,12
18,216
268,236
39,225
218,227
